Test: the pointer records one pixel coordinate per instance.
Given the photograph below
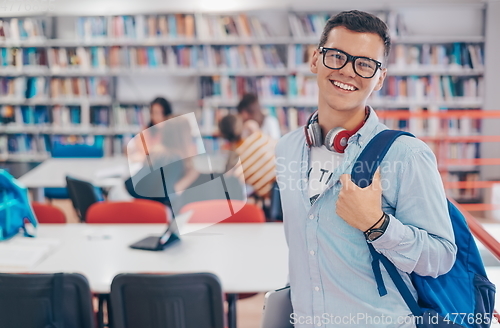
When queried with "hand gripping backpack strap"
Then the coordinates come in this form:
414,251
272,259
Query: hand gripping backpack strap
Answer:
362,174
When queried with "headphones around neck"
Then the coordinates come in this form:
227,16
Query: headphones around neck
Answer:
335,140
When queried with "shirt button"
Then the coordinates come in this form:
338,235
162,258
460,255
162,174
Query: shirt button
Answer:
311,252
311,217
316,288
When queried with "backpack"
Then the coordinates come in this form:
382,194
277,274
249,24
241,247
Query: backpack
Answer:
463,297
14,207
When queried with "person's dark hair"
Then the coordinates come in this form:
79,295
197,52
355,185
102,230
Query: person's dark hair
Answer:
228,128
245,102
358,21
165,104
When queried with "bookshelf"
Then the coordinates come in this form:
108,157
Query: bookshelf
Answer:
65,78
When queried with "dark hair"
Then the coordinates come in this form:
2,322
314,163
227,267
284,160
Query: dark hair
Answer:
165,105
245,102
358,21
228,128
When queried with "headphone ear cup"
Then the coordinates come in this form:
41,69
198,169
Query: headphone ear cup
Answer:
336,139
316,134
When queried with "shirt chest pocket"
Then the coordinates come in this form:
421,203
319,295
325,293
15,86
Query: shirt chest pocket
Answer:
332,223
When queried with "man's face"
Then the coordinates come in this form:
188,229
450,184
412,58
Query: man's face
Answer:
333,97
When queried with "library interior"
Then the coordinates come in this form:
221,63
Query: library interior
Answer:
120,119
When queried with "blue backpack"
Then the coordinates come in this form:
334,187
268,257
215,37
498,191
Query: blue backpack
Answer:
463,297
14,207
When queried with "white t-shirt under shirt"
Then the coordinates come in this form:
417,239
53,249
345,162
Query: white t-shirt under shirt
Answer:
321,166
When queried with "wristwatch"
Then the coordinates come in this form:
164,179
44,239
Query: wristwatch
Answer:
374,234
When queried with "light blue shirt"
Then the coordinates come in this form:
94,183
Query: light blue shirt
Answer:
331,279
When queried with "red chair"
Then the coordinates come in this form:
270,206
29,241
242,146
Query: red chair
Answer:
210,211
138,211
46,213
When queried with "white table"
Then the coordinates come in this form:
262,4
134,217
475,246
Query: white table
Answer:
247,258
52,173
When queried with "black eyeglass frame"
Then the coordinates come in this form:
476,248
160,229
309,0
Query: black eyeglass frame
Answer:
350,58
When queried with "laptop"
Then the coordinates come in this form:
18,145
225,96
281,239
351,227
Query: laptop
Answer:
169,237
277,309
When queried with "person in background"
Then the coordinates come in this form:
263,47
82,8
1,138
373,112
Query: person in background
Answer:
249,109
160,110
255,151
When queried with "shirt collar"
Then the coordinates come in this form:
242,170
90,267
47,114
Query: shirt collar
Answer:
364,134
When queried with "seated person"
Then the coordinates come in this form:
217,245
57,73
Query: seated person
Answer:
249,109
255,151
169,171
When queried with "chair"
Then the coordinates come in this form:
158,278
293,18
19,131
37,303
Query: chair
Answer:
191,300
46,213
210,211
82,194
71,151
45,300
138,211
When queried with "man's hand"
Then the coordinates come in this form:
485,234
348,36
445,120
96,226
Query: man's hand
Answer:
360,207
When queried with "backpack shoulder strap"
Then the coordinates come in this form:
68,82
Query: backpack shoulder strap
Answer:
370,158
362,174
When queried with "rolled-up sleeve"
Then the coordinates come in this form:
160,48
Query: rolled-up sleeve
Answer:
420,236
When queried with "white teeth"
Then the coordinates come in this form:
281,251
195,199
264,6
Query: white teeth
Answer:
343,86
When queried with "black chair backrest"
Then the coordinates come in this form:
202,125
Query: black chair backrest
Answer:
45,300
191,300
275,210
82,194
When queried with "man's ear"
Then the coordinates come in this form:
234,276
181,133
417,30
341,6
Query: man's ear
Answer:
314,61
381,78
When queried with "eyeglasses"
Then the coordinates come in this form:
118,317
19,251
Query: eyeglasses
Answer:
337,59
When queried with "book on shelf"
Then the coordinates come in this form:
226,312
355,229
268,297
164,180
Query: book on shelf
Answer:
22,29
456,56
131,116
431,88
220,27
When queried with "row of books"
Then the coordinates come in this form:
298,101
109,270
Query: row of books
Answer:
125,117
16,29
435,127
19,57
431,87
230,87
32,144
79,87
234,57
232,26
464,194
23,87
54,116
312,24
179,25
450,56
131,116
136,27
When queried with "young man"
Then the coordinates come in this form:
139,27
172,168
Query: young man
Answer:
249,109
328,219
